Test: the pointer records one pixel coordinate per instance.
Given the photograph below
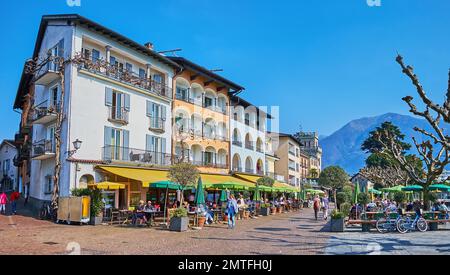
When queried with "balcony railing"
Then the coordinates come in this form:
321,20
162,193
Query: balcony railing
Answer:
118,114
43,149
259,149
205,161
126,154
249,170
157,124
106,69
49,72
249,145
215,108
44,112
237,143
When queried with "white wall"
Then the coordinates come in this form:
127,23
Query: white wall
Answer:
8,152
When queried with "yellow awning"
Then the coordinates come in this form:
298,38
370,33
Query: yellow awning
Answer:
108,185
145,176
209,179
248,177
276,183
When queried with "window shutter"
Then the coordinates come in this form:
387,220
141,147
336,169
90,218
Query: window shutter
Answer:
112,60
127,102
126,145
147,142
108,96
163,145
61,48
149,108
163,112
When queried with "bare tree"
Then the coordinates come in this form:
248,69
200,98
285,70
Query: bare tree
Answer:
385,176
434,152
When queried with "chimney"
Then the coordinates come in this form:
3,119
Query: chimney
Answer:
149,45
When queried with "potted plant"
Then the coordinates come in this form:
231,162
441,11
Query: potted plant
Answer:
96,204
179,220
201,221
337,221
273,210
279,209
265,209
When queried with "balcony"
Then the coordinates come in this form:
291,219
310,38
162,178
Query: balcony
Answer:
125,154
205,162
118,115
259,149
249,145
215,108
48,73
105,69
157,124
45,112
237,143
43,149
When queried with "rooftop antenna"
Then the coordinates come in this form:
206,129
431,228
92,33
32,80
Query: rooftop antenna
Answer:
173,52
216,70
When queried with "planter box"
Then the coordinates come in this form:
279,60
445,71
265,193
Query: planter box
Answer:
337,225
179,224
273,210
96,220
264,211
279,209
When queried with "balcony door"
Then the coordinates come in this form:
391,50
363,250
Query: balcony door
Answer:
50,139
116,144
53,100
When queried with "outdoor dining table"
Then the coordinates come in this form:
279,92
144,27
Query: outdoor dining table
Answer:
152,214
216,213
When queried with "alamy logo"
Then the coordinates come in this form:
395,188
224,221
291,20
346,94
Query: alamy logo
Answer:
73,3
374,3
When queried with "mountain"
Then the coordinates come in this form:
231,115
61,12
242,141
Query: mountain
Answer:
343,147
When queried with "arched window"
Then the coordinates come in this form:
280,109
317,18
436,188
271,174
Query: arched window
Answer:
249,165
237,163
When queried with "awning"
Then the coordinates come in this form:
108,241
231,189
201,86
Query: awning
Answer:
145,176
277,186
108,185
209,179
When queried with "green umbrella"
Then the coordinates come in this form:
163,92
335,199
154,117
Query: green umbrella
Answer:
314,191
165,185
440,187
223,196
257,195
229,186
374,191
356,193
416,188
393,189
199,193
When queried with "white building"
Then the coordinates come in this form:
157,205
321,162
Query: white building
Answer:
8,175
117,102
248,137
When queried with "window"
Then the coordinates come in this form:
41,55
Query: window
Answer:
291,165
116,143
119,104
158,78
53,97
182,93
48,184
209,157
142,73
95,55
157,114
129,67
208,102
156,148
297,167
6,166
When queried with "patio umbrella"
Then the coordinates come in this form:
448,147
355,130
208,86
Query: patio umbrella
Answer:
229,186
356,193
167,185
257,195
223,196
374,191
393,189
440,187
415,188
199,193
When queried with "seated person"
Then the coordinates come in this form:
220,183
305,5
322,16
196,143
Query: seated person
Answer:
355,211
204,211
371,207
444,210
139,213
149,206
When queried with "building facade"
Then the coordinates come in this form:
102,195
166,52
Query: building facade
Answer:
117,102
9,174
248,134
310,146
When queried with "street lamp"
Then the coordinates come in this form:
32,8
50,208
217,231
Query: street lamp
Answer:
76,145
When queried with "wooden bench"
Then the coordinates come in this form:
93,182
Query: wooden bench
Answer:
433,224
365,224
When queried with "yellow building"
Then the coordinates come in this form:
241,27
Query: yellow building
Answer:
201,109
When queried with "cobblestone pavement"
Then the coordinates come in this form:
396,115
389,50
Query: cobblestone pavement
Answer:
289,233
353,241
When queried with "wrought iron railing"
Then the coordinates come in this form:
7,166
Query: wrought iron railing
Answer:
43,147
118,114
237,143
106,69
117,153
157,123
44,109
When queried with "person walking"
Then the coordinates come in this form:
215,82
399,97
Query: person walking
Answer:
231,210
325,207
3,201
316,206
14,198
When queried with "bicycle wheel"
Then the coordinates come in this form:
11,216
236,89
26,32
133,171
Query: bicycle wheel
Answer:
422,225
402,226
382,225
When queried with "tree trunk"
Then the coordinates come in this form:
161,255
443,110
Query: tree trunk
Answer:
426,199
334,198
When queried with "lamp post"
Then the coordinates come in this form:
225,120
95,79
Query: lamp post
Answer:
76,145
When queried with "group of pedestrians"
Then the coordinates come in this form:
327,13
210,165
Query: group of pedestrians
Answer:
4,200
321,204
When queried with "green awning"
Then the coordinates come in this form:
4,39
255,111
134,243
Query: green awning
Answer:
416,188
165,185
374,191
440,187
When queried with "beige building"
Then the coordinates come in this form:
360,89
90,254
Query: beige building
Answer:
310,146
292,164
271,159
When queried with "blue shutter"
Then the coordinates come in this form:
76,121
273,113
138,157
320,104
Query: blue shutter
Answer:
148,142
95,55
129,67
108,96
127,102
163,112
126,145
149,108
112,60
107,143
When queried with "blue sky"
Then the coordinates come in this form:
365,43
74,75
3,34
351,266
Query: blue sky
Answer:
323,62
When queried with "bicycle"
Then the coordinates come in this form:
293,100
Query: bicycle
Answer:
387,223
407,224
47,212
